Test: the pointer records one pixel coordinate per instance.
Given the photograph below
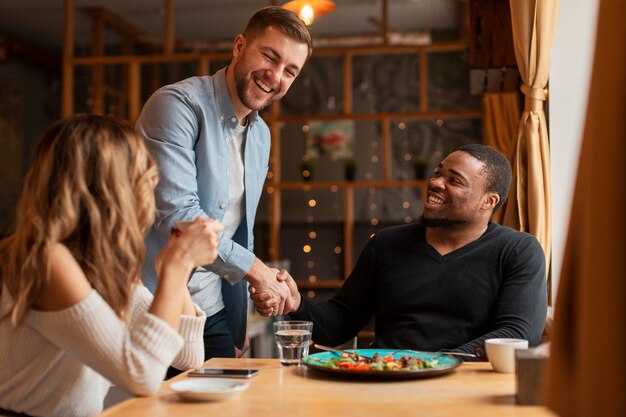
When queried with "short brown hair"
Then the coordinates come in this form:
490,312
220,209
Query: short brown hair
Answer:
282,19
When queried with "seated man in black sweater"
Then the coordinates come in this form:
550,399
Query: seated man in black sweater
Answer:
450,281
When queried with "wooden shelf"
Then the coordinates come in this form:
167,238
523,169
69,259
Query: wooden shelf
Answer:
426,115
347,184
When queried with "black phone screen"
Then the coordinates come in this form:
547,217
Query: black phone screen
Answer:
225,373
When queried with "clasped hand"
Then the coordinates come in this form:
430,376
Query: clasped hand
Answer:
267,305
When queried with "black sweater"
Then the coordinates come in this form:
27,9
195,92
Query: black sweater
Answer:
493,287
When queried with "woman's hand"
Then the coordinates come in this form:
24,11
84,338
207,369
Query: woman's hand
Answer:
195,245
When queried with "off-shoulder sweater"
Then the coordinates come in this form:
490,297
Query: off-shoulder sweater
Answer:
62,363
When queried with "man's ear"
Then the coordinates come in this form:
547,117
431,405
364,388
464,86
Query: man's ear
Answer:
238,45
491,201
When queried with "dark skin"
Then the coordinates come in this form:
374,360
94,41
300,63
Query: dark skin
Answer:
456,201
457,193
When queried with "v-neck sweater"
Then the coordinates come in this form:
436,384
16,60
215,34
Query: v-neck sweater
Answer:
492,287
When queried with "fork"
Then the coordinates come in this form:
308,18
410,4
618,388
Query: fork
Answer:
469,355
340,351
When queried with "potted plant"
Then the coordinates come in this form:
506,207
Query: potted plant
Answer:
419,165
349,169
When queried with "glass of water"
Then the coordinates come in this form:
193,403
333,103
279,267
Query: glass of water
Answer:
292,338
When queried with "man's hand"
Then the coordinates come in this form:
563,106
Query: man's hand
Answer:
263,301
263,280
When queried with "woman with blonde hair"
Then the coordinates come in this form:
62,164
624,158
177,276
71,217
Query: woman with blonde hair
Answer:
74,317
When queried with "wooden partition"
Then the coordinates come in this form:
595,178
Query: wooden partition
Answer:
163,52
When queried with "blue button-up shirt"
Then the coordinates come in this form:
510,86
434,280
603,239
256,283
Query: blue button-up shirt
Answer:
186,127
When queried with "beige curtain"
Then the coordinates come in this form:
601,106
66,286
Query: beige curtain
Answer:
501,121
587,366
500,126
529,208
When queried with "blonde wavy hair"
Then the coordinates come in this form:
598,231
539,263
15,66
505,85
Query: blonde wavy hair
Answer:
91,188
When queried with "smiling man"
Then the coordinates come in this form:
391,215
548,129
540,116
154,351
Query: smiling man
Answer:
450,281
212,149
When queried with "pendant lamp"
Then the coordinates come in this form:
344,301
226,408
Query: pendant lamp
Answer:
308,10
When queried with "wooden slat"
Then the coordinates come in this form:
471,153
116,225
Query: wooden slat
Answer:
392,49
347,84
274,166
67,93
347,184
423,81
348,229
384,22
97,71
168,47
448,114
386,149
134,92
195,56
150,59
204,66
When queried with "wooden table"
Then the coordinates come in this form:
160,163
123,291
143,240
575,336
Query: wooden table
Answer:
473,389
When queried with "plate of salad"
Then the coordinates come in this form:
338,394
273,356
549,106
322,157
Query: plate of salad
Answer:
382,363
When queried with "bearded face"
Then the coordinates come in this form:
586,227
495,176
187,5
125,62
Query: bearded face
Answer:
265,65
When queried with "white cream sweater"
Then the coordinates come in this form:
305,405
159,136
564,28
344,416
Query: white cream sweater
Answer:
62,363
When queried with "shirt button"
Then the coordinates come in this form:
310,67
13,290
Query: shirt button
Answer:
234,119
226,276
222,117
222,206
227,140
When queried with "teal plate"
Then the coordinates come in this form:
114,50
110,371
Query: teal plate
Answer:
445,364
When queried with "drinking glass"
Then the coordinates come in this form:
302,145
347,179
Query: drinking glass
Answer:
292,338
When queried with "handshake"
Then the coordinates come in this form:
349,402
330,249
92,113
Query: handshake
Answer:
273,292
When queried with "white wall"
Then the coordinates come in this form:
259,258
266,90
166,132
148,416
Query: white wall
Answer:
570,72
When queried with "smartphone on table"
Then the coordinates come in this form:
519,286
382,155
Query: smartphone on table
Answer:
224,373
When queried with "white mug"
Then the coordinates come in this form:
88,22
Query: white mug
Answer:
501,353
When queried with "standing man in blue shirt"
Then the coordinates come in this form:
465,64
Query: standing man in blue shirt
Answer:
212,149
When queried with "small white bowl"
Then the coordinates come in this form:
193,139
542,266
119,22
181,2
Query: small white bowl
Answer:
209,389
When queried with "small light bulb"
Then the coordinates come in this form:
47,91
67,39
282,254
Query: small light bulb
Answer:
307,14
